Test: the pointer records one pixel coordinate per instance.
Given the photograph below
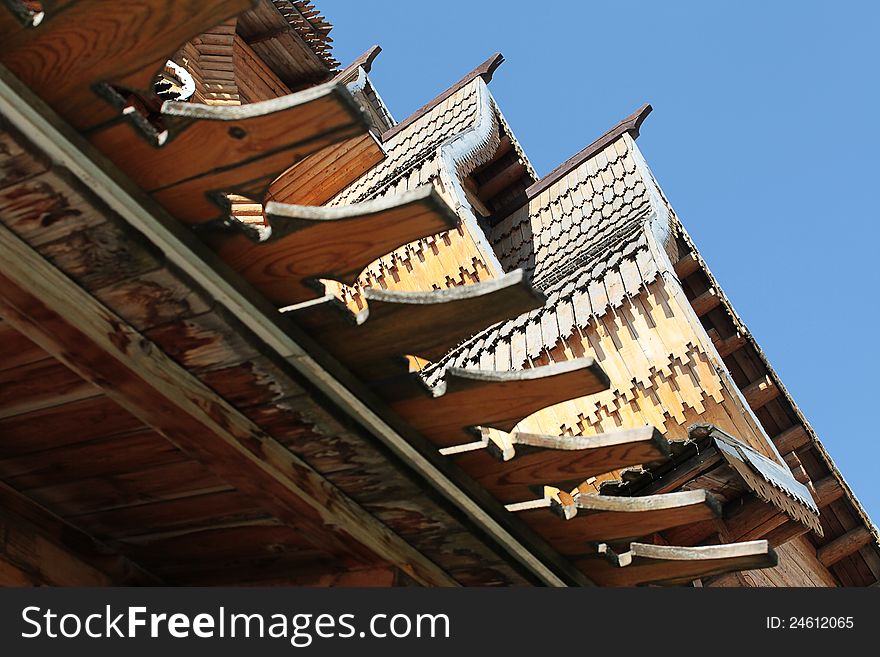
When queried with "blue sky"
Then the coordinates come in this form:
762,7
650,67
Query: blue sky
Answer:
762,137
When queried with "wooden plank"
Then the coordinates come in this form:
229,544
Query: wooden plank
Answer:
424,324
576,458
16,349
144,522
469,398
322,175
80,46
93,418
52,551
69,324
170,481
604,518
310,243
845,545
667,564
125,453
40,385
211,149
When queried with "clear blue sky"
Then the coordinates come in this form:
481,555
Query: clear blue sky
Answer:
763,137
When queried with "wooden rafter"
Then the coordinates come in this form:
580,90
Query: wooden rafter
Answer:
70,325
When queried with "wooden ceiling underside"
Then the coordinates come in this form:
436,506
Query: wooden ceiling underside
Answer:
153,423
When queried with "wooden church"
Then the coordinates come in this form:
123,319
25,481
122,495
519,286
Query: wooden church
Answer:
254,331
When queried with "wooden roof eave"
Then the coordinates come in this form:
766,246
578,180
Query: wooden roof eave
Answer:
51,135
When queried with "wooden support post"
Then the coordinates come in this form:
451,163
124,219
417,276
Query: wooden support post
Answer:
760,392
707,301
843,546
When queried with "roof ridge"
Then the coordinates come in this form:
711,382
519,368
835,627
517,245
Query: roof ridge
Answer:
484,71
630,125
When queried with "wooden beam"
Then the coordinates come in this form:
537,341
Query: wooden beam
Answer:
212,150
469,398
80,47
425,324
687,265
827,490
504,178
69,324
843,546
708,300
728,345
666,564
793,438
606,519
759,393
50,551
310,243
553,460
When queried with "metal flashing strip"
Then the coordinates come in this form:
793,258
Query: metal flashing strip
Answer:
29,115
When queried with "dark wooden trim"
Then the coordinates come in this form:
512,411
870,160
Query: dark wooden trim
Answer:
364,61
630,125
484,70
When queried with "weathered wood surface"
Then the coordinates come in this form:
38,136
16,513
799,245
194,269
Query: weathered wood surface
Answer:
603,518
469,398
322,175
424,324
569,459
71,326
666,564
211,150
844,545
310,243
81,47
